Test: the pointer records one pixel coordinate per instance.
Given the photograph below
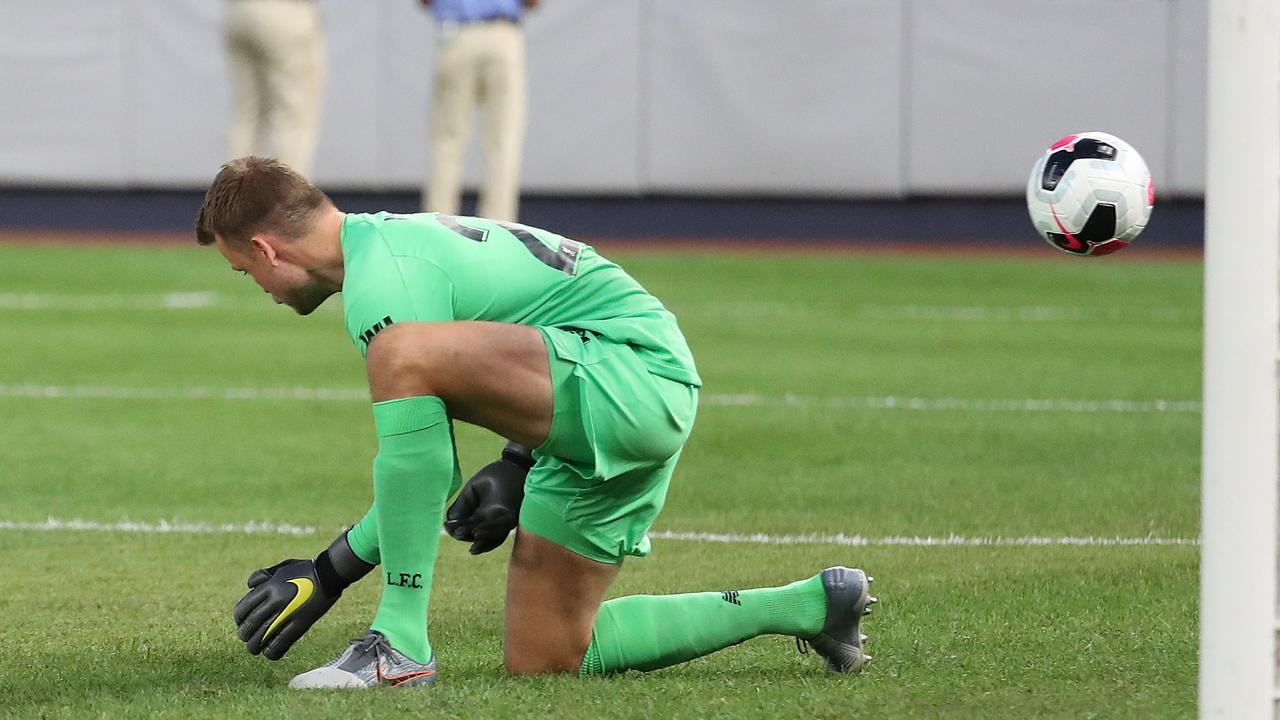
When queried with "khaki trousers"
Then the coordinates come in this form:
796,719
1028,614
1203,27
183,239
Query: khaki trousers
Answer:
480,63
276,49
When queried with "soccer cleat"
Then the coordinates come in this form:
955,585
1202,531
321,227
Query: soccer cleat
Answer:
369,662
848,600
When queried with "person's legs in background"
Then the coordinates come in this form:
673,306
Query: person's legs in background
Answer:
452,99
295,83
503,88
246,135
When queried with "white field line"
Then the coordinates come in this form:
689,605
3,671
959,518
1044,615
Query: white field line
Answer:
916,540
160,301
895,402
1027,313
886,402
174,527
266,528
108,392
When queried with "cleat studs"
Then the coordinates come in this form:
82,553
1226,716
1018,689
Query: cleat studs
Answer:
862,638
870,579
866,659
872,600
866,611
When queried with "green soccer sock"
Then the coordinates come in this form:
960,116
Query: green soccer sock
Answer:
363,536
647,632
411,479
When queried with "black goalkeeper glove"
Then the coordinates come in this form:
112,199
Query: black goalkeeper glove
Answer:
286,599
488,508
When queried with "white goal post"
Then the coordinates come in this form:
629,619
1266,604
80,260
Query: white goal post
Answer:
1238,573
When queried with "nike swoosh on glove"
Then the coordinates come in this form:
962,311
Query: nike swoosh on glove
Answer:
283,602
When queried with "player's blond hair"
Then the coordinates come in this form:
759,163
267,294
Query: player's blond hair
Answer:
256,194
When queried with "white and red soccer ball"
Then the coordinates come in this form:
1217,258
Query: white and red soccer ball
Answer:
1090,194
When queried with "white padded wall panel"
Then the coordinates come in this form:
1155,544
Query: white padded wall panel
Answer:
993,83
63,65
584,97
353,94
179,84
405,54
838,97
760,96
1188,98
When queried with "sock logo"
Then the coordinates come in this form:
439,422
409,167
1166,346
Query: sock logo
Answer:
731,596
409,580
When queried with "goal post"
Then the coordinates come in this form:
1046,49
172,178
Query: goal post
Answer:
1238,573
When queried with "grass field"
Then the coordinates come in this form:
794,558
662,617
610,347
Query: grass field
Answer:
876,396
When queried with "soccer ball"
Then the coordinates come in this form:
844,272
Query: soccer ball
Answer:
1090,194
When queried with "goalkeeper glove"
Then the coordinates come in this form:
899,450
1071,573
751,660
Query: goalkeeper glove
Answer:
286,599
488,508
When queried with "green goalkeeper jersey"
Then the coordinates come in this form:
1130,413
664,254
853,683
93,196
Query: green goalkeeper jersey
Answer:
433,268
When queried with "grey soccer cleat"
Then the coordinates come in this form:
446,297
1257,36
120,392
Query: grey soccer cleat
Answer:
848,600
369,662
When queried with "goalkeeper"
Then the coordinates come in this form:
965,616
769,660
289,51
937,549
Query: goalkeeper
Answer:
541,340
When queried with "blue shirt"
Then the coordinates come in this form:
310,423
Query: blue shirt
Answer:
465,11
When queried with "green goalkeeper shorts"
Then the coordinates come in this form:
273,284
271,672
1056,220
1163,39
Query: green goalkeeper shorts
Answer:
601,477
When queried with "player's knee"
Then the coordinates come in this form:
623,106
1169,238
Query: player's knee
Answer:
542,658
408,360
550,645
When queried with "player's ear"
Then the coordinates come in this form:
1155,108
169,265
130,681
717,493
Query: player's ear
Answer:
262,245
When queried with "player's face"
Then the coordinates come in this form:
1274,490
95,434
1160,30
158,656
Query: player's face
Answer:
285,282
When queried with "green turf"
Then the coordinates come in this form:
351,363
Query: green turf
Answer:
129,625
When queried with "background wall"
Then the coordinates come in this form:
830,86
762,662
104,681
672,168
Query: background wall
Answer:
841,98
